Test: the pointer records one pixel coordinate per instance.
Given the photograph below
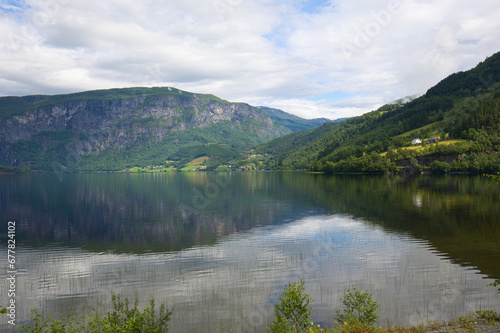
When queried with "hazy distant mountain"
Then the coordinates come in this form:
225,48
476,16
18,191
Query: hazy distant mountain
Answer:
294,123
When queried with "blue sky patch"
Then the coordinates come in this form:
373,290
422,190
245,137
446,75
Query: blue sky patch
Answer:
313,6
279,36
13,6
332,96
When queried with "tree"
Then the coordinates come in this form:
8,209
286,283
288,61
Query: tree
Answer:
359,308
293,313
440,168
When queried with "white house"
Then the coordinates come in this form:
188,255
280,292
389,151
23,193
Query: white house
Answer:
416,141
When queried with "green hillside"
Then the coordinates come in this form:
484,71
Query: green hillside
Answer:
288,144
464,107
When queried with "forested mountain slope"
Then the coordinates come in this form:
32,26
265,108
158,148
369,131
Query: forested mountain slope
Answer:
462,112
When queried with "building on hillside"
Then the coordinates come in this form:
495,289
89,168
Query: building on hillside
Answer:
416,141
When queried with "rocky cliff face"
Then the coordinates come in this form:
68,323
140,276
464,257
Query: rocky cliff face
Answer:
94,122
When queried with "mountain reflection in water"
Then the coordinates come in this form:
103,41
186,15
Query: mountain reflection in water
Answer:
219,247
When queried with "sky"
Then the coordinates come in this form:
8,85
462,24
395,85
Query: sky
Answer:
311,58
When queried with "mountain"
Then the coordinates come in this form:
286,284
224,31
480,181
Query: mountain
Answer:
286,144
462,112
121,128
292,122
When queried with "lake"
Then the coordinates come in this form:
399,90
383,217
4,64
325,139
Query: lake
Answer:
220,247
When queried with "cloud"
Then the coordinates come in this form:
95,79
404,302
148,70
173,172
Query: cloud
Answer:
282,53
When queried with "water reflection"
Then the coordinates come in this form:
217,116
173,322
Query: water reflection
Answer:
224,261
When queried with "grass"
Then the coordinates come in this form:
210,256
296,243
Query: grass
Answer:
423,128
450,142
479,319
148,170
190,168
198,161
442,143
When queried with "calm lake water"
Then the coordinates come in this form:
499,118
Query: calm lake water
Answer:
219,247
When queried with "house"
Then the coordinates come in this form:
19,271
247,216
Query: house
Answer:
433,140
416,141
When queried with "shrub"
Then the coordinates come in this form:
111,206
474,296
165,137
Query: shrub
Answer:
127,319
359,308
440,168
496,283
51,325
293,314
122,319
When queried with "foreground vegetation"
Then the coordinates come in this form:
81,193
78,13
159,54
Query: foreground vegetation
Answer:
359,314
124,318
291,314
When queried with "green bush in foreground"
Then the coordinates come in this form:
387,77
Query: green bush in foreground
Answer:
293,314
127,319
50,325
359,308
122,319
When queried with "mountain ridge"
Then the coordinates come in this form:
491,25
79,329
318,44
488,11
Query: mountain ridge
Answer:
462,110
293,122
115,129
164,122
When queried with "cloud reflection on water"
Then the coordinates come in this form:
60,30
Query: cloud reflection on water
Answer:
235,282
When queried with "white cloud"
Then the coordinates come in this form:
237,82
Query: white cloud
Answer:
282,53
